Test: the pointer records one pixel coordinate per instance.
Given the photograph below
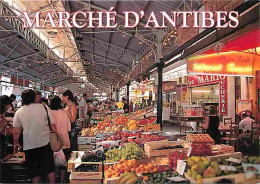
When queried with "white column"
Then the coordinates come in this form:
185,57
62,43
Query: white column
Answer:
231,97
244,88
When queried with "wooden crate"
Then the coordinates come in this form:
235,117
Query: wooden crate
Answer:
235,178
223,156
150,146
87,175
86,181
85,147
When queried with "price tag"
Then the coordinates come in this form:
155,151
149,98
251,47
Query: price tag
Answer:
189,152
234,160
181,165
177,179
227,168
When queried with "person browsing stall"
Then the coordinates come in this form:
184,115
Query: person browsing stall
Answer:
211,124
82,111
63,125
32,118
126,105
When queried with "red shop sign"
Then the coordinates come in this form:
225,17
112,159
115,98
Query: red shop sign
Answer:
169,86
200,80
14,80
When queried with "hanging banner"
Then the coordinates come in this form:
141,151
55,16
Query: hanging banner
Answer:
223,97
14,80
20,82
184,92
228,63
26,83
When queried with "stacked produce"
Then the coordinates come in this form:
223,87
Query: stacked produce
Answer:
145,122
121,120
174,156
98,156
201,149
135,137
151,127
131,125
127,178
132,166
251,159
162,178
201,167
129,151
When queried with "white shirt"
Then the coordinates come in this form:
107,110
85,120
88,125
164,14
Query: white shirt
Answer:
83,104
33,120
245,124
63,125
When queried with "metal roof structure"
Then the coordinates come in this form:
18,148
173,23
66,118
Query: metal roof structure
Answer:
106,55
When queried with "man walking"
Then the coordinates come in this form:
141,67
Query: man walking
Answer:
82,111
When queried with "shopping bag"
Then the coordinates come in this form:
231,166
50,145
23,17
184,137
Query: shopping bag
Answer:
59,159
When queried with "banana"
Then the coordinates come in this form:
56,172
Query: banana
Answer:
132,181
126,178
122,176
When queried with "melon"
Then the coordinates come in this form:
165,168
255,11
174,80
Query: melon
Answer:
152,120
143,122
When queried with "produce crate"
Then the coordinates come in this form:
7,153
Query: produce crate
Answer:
87,175
223,149
86,140
150,146
200,138
222,156
235,178
85,147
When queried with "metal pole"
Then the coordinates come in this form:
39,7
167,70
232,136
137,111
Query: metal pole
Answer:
159,95
127,91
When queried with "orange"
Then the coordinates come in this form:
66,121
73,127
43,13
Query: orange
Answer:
155,169
146,178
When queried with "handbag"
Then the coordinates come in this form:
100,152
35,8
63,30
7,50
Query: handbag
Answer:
55,139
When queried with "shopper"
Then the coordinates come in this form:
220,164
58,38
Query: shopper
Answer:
5,104
37,96
33,120
246,123
10,111
82,111
211,124
63,125
89,111
71,105
72,111
126,105
45,101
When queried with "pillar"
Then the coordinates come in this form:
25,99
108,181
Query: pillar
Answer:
244,88
127,91
159,94
231,97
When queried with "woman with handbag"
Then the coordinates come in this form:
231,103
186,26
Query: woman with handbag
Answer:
36,124
62,123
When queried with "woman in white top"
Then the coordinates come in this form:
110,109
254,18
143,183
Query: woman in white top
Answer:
63,125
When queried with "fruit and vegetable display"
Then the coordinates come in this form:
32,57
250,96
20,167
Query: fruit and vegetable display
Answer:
145,122
168,147
201,168
176,155
162,178
151,127
97,156
201,149
127,178
131,125
199,138
132,166
251,159
129,151
135,137
121,120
